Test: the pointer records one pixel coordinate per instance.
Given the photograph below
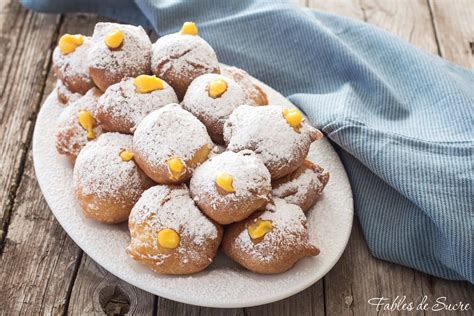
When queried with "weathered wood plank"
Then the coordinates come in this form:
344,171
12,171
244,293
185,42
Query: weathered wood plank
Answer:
169,307
25,64
98,292
308,302
348,8
453,21
39,261
448,292
12,18
407,19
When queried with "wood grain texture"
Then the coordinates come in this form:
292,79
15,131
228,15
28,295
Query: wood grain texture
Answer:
407,19
454,25
348,8
26,39
98,292
308,302
38,264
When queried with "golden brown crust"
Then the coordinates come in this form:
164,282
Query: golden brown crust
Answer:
255,94
275,252
160,174
226,213
171,207
71,69
181,83
106,186
250,182
71,137
109,65
103,78
173,264
303,186
76,84
105,211
167,134
264,130
180,58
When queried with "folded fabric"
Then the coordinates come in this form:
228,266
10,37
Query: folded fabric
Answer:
401,119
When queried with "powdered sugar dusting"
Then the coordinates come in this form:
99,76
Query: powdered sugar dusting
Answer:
135,52
74,64
243,79
71,137
249,175
167,132
298,187
124,106
100,171
288,232
198,101
265,130
164,206
67,96
179,55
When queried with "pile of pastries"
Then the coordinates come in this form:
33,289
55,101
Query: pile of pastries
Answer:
186,150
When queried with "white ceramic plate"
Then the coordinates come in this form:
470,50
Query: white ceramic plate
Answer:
224,283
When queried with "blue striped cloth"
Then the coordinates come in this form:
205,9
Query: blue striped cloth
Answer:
401,119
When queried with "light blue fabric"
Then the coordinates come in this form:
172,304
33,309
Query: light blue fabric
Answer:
402,120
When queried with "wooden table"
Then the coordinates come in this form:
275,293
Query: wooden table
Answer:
42,271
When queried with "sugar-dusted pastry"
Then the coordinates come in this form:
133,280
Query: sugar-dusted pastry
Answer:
181,57
107,181
212,98
77,124
271,241
170,143
303,186
124,104
169,234
216,150
254,93
281,137
69,62
65,96
118,51
230,186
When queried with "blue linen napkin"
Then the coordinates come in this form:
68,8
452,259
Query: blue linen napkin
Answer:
401,119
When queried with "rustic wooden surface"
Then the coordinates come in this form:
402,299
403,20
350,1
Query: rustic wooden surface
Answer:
43,272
